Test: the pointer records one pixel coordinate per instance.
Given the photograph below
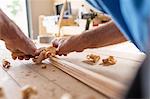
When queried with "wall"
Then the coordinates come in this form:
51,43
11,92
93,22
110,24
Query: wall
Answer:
75,5
37,8
46,7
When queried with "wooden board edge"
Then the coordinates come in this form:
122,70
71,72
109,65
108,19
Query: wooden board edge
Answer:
102,84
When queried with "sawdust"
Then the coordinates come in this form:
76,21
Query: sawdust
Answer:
5,64
43,66
109,61
45,53
93,59
2,95
28,91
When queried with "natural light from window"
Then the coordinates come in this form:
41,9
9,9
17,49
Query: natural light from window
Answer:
16,10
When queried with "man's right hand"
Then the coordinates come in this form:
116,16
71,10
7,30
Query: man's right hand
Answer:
105,35
71,44
21,43
14,38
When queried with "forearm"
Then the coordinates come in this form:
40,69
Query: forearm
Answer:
8,30
105,35
13,37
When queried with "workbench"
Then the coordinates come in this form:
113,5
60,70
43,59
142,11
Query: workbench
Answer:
52,82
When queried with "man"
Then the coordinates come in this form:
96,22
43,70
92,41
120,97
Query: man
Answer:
14,38
132,18
105,35
110,32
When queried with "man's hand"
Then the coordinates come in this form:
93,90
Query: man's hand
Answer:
105,35
67,45
22,44
25,47
14,38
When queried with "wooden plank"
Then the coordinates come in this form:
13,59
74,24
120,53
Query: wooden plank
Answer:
9,85
104,79
138,56
121,71
25,76
72,85
50,85
116,77
107,86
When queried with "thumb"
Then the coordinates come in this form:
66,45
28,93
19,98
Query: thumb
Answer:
28,48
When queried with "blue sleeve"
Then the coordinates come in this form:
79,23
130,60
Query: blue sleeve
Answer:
131,17
96,5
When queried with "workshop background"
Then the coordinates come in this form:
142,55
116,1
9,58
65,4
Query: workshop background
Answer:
66,77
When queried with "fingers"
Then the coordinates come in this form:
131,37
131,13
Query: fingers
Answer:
38,51
27,57
63,50
64,45
28,48
67,46
20,55
17,54
55,42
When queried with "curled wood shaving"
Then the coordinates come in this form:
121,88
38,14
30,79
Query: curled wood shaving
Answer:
40,58
93,58
28,91
109,61
43,66
1,93
6,64
46,53
51,50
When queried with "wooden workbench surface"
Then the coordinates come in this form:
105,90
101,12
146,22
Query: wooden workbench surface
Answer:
51,83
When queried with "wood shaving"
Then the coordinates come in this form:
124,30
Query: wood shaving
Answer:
6,64
40,58
28,91
45,53
1,93
93,58
109,61
43,66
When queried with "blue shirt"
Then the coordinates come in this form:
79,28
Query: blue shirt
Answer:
131,16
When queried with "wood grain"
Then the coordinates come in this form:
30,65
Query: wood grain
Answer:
9,85
51,83
65,81
112,81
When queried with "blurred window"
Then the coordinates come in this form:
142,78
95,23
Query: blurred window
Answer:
16,10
